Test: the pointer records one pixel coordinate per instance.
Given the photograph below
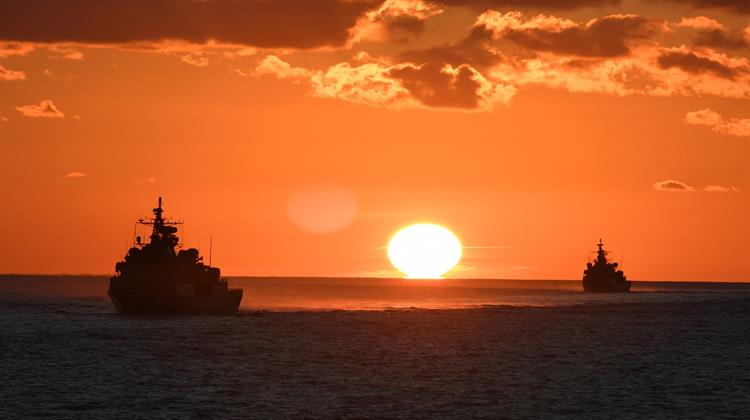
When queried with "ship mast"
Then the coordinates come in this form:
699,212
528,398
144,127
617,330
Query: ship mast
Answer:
158,222
601,253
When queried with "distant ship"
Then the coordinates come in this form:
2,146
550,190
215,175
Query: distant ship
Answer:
155,279
603,276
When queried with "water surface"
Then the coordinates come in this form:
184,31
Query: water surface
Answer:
380,348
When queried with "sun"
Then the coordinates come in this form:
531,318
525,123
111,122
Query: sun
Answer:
424,250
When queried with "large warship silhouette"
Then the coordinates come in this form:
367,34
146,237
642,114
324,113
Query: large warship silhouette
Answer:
603,276
155,279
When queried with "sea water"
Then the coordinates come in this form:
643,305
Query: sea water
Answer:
322,347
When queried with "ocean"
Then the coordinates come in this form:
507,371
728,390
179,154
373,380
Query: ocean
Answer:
380,348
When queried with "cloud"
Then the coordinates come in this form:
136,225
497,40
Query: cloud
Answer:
734,127
671,185
394,20
396,85
64,50
4,119
144,180
739,127
608,36
473,50
711,33
367,83
719,188
475,74
696,63
703,117
504,52
75,174
363,83
637,74
719,38
8,49
58,50
72,55
273,65
741,6
241,53
10,75
647,68
268,24
446,86
551,4
196,59
676,186
699,22
45,109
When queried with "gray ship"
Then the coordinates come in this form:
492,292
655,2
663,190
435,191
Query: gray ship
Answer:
155,279
603,276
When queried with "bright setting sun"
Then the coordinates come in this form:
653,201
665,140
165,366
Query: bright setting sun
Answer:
424,250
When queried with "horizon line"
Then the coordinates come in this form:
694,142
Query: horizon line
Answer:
376,278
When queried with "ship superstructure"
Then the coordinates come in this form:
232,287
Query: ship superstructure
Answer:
604,276
155,278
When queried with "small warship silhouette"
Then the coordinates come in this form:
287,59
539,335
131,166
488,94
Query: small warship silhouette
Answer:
603,276
154,279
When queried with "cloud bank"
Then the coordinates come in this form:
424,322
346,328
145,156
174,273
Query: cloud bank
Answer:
504,52
269,24
501,53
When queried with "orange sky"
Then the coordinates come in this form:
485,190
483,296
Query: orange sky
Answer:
529,132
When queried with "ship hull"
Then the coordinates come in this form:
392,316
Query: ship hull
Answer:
606,287
135,302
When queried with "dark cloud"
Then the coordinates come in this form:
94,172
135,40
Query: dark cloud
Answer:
277,23
693,63
719,38
404,28
581,63
469,51
603,37
434,87
394,20
741,6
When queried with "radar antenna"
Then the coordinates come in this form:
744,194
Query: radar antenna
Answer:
210,248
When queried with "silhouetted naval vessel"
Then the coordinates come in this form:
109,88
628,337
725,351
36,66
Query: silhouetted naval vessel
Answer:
154,279
603,276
